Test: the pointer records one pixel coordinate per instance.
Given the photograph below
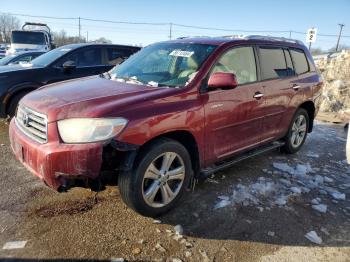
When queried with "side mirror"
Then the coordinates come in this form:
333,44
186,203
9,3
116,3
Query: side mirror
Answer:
222,80
69,65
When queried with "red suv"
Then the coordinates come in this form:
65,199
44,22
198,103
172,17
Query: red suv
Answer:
174,111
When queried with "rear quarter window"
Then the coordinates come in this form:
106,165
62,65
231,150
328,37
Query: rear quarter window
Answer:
272,62
301,64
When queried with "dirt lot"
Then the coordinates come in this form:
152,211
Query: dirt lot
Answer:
259,210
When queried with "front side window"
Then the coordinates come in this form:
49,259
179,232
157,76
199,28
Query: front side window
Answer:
241,62
85,57
272,62
163,64
300,62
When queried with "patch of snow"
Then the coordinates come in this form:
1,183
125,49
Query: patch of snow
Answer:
316,201
320,208
313,237
14,245
338,195
314,155
284,167
281,200
299,170
271,233
295,190
224,198
222,203
328,179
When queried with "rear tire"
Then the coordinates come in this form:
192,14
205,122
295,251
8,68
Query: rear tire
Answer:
297,132
161,166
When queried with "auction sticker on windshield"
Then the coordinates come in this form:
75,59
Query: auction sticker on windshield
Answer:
181,53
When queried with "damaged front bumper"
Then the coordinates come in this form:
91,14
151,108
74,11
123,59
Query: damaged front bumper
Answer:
56,163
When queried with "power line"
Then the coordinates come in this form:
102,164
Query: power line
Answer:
37,16
171,25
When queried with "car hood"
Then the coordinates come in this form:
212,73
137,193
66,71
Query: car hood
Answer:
89,97
13,68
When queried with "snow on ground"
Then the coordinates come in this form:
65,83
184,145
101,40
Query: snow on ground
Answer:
293,180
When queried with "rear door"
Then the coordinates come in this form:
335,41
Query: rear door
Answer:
234,117
277,74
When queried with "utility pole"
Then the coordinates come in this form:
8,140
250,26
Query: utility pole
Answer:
341,29
87,36
79,29
290,34
171,31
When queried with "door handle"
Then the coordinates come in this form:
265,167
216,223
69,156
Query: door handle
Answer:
258,95
296,87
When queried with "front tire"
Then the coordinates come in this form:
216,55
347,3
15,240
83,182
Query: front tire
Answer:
161,174
297,132
12,108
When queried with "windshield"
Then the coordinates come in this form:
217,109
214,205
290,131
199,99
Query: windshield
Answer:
6,59
51,56
163,64
28,37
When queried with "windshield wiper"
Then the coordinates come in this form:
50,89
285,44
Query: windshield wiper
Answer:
131,79
106,74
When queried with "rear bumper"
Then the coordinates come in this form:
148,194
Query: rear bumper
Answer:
55,163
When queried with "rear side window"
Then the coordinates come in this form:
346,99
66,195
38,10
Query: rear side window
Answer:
241,62
300,63
273,63
117,55
85,57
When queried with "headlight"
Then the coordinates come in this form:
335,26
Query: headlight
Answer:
88,130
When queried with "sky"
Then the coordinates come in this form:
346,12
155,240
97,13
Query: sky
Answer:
296,15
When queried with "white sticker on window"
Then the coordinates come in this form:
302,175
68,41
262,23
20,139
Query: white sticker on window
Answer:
181,53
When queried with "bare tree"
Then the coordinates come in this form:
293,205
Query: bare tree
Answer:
341,47
102,40
317,51
61,38
7,24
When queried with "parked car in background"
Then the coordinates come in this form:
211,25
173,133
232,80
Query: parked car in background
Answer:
3,49
23,57
63,63
174,111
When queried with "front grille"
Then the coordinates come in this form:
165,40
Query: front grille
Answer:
32,123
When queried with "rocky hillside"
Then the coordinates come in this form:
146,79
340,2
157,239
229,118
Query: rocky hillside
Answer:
336,73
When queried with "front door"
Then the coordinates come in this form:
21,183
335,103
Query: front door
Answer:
88,62
234,117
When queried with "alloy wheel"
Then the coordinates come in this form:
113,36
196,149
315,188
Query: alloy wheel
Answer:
163,179
298,131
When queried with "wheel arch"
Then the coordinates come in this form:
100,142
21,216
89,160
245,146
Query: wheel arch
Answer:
16,90
309,106
185,138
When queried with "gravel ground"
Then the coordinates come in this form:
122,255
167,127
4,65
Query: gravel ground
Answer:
80,225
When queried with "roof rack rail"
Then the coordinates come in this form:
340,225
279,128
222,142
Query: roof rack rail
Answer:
233,36
273,38
192,36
